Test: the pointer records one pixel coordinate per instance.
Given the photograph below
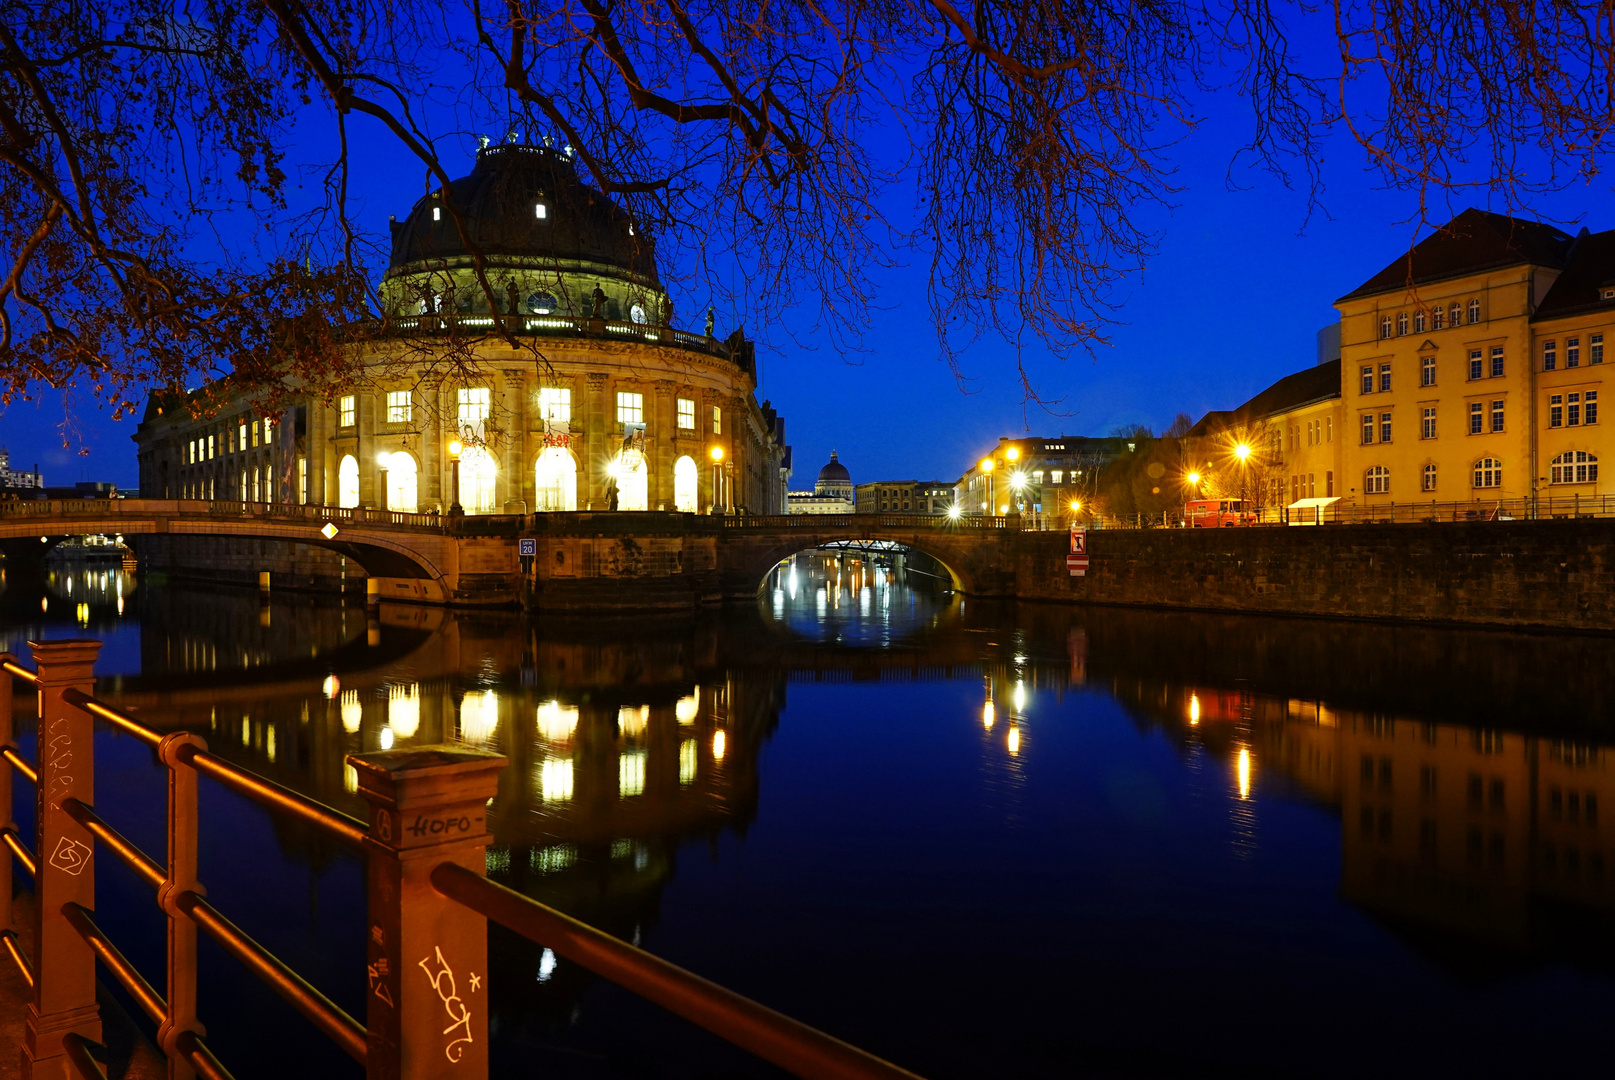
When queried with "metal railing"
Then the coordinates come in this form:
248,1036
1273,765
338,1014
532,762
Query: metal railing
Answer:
429,903
939,522
478,325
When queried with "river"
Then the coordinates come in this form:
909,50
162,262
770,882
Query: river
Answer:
980,840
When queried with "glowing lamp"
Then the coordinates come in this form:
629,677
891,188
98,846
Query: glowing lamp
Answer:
1242,451
1194,478
717,453
1013,453
987,464
1076,504
953,512
1017,480
455,448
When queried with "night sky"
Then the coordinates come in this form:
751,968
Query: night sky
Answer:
1242,282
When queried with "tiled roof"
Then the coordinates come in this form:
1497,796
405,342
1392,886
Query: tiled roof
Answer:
1591,270
1300,388
1473,241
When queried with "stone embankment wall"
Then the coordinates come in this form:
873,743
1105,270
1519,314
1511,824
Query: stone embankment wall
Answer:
228,561
1558,574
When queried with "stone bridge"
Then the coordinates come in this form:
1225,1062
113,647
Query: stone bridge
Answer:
583,561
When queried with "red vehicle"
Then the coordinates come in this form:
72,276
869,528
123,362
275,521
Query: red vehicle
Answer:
1216,513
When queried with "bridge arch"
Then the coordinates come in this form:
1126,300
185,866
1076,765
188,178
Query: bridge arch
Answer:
767,556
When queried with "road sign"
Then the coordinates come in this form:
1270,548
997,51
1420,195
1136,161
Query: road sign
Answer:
527,547
1077,561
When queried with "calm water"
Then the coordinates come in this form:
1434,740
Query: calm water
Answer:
982,841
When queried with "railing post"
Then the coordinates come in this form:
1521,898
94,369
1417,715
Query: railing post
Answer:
182,871
64,965
427,1003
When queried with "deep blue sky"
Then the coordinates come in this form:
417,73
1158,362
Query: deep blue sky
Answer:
1242,282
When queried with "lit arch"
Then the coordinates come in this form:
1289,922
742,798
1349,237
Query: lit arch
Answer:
478,476
628,468
403,482
555,480
686,483
347,482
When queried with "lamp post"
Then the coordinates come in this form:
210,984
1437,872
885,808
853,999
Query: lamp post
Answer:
455,448
718,502
987,471
383,461
1242,453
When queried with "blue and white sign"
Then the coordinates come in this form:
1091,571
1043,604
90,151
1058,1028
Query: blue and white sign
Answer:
527,547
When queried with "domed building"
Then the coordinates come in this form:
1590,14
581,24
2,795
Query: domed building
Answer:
832,493
600,403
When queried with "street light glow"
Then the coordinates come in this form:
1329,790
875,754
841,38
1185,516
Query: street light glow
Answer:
1017,480
987,464
455,447
1194,478
1076,504
717,453
1242,451
953,511
1013,453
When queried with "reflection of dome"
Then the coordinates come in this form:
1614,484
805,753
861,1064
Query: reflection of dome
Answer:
834,479
524,203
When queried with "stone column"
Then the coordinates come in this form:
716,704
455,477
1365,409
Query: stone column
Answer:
661,430
64,965
427,992
599,433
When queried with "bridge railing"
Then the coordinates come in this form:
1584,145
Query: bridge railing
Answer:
773,522
428,901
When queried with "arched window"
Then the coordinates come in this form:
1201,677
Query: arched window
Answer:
1437,318
347,482
542,303
555,480
477,480
685,481
402,482
1429,478
1385,327
1574,467
1377,481
1474,311
1455,314
628,468
1418,322
637,313
1402,324
1488,473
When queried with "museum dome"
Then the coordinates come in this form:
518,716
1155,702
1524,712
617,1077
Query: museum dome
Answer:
833,479
528,211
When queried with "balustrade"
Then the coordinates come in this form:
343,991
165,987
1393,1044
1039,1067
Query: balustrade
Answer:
428,898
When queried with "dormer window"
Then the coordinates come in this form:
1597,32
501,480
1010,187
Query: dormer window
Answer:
437,213
1608,293
539,211
630,230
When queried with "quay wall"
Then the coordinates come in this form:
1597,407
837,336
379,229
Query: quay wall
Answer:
1557,574
234,561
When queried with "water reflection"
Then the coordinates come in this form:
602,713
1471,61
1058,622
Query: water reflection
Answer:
1464,779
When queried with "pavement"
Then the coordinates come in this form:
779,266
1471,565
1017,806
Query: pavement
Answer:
128,1055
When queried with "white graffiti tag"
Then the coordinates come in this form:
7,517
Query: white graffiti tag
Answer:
459,1016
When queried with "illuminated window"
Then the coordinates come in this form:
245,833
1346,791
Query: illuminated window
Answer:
402,482
437,213
1427,423
1573,467
717,420
347,487
555,404
1056,476
542,303
540,211
1488,473
1427,371
631,774
473,406
241,435
686,414
1550,355
555,480
1429,478
302,481
1377,481
630,408
346,411
685,481
478,480
636,313
632,474
400,407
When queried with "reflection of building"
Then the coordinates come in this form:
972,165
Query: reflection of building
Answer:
603,402
832,493
905,497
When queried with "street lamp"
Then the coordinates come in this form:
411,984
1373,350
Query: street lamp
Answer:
953,512
383,461
455,449
716,453
1242,453
987,471
1013,453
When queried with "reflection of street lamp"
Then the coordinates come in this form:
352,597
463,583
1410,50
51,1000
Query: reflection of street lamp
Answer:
455,449
383,461
987,471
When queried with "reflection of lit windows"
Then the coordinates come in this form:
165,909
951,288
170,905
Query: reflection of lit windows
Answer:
556,722
631,774
1014,741
633,720
1244,768
350,778
386,738
688,706
479,716
621,849
552,859
352,711
988,714
546,965
555,779
1020,696
404,709
269,742
687,757
719,742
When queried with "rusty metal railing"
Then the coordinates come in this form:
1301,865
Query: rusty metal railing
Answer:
429,903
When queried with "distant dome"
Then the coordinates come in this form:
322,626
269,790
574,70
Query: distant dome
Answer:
525,208
834,479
